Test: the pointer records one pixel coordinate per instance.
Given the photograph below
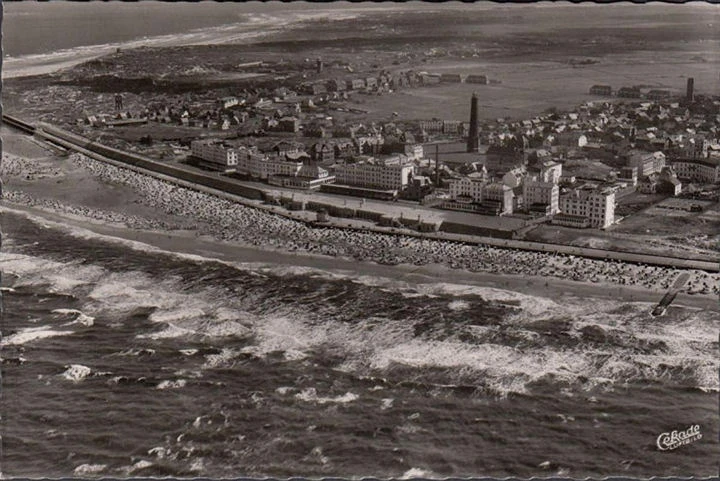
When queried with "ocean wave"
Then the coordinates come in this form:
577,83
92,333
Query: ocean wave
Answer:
175,384
310,395
171,331
60,277
458,305
80,317
419,473
137,466
538,340
135,352
89,469
530,305
32,334
224,358
76,372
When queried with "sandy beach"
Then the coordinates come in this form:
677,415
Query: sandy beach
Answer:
256,27
116,202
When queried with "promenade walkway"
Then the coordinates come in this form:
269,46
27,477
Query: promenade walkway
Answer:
413,212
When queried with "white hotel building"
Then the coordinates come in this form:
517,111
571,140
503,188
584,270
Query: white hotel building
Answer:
597,206
242,160
470,186
215,154
379,175
262,167
545,193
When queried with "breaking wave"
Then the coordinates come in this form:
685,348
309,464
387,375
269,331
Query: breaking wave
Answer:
438,333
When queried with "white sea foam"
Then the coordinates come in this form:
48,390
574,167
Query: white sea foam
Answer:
419,473
142,464
168,316
159,452
458,305
224,328
197,465
76,372
168,384
135,352
89,469
531,305
81,318
60,277
310,395
32,334
371,344
169,332
221,359
273,334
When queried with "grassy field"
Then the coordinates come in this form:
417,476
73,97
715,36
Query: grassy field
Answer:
527,89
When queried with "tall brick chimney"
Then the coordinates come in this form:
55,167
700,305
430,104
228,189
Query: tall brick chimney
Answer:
690,95
472,142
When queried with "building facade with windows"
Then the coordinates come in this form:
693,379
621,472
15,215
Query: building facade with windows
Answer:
597,206
380,175
542,193
701,171
647,163
469,187
215,155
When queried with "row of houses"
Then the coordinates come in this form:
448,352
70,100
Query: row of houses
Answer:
372,83
630,92
295,168
288,167
387,81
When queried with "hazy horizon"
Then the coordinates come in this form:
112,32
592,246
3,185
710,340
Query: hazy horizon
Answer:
60,25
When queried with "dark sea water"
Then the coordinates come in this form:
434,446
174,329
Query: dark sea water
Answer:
31,28
122,360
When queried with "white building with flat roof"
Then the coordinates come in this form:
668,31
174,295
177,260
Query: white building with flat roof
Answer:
375,175
262,166
214,154
542,193
550,171
501,195
597,206
470,187
647,163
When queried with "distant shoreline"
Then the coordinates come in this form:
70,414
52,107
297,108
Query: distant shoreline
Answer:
258,26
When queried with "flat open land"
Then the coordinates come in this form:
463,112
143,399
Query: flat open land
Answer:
529,88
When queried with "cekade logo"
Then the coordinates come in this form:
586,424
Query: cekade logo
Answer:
675,439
